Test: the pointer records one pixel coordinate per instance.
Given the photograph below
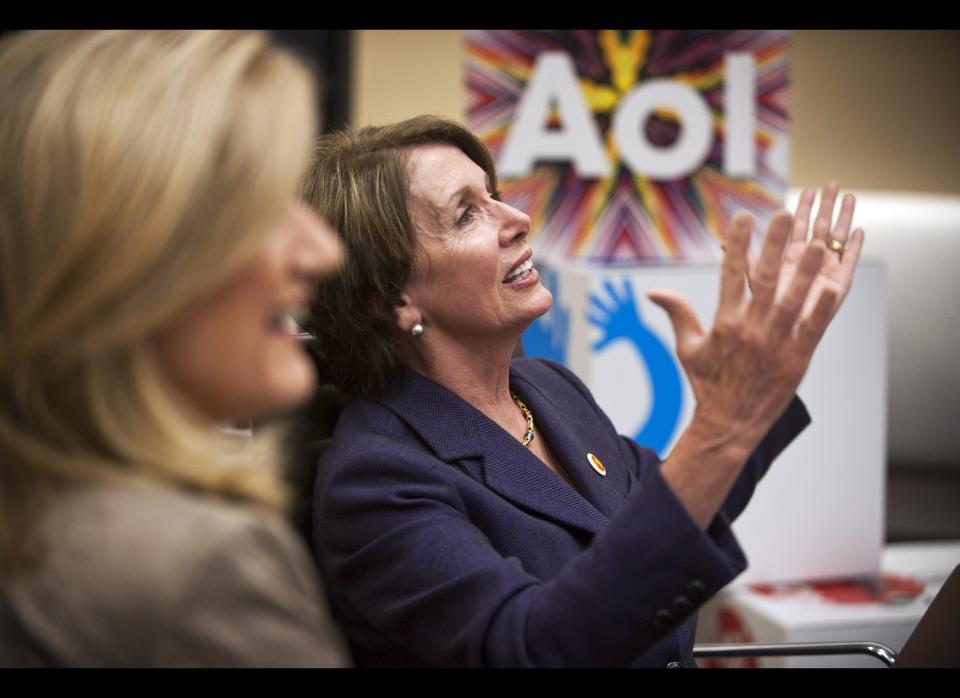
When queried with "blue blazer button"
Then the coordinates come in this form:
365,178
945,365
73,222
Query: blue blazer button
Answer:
663,618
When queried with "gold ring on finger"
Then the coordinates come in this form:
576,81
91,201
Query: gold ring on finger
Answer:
836,246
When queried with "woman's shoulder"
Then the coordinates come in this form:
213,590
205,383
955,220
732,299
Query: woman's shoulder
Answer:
112,520
409,438
142,573
367,426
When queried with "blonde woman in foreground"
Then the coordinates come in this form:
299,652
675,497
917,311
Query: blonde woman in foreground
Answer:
150,248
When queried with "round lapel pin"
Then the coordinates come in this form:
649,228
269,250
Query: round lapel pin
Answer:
596,464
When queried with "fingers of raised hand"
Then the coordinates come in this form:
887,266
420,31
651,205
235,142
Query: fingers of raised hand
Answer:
788,308
752,261
766,272
840,266
842,231
735,262
812,327
686,326
852,254
801,221
821,226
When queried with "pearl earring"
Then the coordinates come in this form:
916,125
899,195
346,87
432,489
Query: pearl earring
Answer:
416,330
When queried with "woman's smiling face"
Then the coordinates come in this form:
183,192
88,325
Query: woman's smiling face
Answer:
231,354
473,275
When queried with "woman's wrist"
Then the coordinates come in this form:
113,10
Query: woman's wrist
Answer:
705,463
723,436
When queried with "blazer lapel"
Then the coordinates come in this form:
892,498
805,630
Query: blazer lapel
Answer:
517,474
563,426
462,435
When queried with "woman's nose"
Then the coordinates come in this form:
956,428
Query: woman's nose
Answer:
320,252
516,226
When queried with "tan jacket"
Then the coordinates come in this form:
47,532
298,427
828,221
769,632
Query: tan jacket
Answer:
147,575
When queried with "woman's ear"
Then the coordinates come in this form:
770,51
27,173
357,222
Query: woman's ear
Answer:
405,313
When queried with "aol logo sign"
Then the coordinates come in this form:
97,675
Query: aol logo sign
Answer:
617,318
553,84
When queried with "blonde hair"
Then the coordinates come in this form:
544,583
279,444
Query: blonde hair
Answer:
141,169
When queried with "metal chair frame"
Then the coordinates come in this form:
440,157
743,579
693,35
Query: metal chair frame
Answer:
798,649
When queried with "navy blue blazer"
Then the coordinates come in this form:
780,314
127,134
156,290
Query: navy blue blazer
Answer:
444,542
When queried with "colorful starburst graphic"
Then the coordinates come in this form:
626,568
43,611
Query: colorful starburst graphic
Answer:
628,216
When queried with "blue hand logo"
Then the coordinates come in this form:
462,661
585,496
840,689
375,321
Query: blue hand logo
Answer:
547,336
618,317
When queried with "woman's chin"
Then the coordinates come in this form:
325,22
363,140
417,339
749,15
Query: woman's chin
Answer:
537,306
542,301
287,385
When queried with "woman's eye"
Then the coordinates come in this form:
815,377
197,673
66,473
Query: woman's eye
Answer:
466,216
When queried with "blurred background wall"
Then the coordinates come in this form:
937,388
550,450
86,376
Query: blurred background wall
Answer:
873,109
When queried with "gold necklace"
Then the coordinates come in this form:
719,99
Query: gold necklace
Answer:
528,436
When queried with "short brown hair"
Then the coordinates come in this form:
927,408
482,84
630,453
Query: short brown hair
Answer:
358,182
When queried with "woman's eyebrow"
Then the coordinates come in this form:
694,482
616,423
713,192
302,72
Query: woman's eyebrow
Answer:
462,191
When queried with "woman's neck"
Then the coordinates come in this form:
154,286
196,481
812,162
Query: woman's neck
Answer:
479,372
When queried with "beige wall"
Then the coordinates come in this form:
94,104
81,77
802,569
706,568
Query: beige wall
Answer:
874,109
402,73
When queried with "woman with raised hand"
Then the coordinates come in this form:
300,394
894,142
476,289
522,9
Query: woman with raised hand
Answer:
474,510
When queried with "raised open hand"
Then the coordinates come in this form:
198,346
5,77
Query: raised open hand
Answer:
745,370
